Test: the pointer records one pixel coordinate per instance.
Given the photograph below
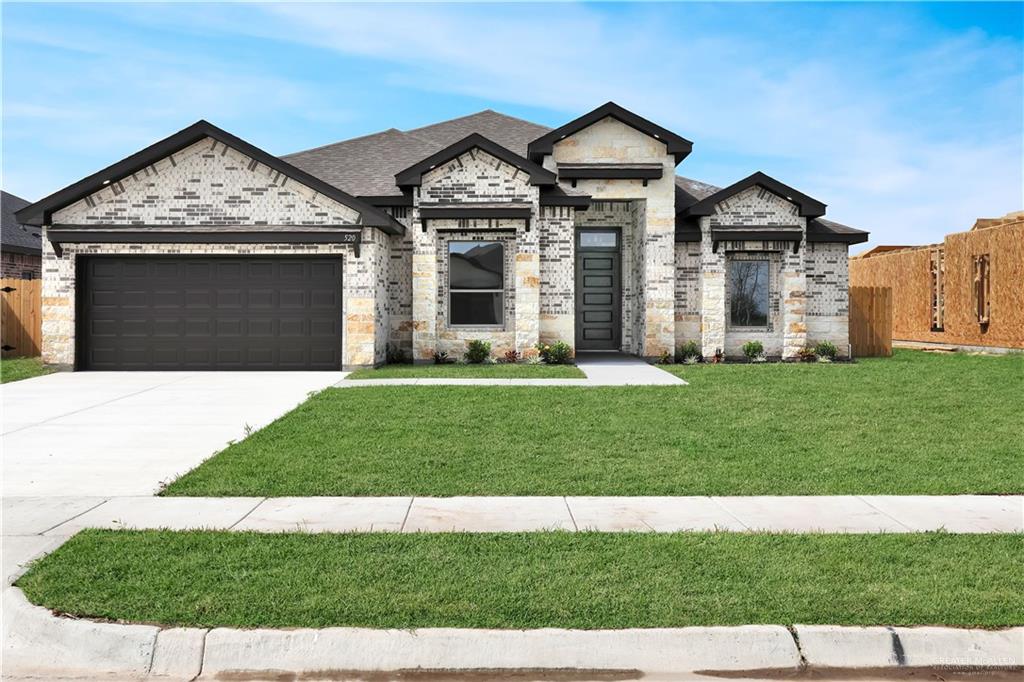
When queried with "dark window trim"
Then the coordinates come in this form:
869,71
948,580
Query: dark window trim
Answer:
427,213
413,175
809,208
599,228
767,327
58,237
676,145
503,293
581,202
610,171
40,212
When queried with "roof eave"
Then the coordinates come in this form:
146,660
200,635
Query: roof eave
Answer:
808,206
41,211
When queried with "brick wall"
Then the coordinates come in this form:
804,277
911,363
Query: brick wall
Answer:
20,265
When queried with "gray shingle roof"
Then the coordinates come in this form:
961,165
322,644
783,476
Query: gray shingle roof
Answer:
14,235
366,166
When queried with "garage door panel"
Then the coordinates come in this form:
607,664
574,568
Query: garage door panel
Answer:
195,312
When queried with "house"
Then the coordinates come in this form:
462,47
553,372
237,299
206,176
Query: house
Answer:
20,245
965,291
203,251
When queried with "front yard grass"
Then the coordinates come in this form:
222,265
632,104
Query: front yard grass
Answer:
16,369
453,371
532,580
916,423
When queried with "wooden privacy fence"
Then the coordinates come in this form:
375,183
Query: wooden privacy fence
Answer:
21,330
871,321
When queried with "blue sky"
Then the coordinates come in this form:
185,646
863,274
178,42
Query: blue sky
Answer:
906,119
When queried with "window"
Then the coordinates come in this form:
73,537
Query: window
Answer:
982,282
476,283
592,239
748,293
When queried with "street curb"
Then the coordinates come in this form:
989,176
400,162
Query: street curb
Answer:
36,642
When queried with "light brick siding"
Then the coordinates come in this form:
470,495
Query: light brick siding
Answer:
688,294
557,246
756,206
20,265
206,183
828,288
474,177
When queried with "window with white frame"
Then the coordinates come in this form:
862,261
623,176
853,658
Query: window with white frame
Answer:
748,293
476,283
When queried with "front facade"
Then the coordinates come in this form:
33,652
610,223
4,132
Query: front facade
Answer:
204,252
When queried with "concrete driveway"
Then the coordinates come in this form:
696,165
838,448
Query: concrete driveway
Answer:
125,433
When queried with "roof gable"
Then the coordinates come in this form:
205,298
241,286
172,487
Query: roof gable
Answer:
808,207
676,145
41,212
413,175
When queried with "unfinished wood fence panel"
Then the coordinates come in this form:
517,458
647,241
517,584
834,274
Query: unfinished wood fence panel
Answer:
20,317
871,321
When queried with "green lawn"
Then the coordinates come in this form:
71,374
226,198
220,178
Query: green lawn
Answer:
533,580
16,369
495,371
916,423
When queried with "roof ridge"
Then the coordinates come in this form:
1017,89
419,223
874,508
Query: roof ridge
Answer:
350,139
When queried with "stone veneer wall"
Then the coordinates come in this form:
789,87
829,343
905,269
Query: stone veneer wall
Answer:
828,294
211,184
610,141
17,265
474,177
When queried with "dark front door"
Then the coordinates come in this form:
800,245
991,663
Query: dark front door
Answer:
206,313
598,290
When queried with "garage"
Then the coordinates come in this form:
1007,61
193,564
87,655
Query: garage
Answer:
209,313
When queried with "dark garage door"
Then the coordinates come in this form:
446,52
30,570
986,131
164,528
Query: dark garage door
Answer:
202,313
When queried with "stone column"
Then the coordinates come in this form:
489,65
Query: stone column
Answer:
359,302
424,289
527,283
659,296
712,288
58,305
794,303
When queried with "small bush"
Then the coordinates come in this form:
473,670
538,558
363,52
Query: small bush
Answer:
478,351
753,349
691,360
806,354
511,356
441,358
666,358
689,349
826,349
558,353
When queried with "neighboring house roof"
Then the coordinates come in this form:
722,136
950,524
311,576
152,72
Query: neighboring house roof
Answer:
39,213
413,175
677,145
14,236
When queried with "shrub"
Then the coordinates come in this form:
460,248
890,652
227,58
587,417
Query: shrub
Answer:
689,352
806,354
478,351
753,349
666,358
826,349
558,353
441,358
511,356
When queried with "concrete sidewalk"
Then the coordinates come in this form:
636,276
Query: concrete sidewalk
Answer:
601,368
45,518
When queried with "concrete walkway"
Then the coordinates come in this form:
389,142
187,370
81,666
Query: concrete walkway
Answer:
125,433
60,517
601,368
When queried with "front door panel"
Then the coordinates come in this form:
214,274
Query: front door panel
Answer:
598,290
